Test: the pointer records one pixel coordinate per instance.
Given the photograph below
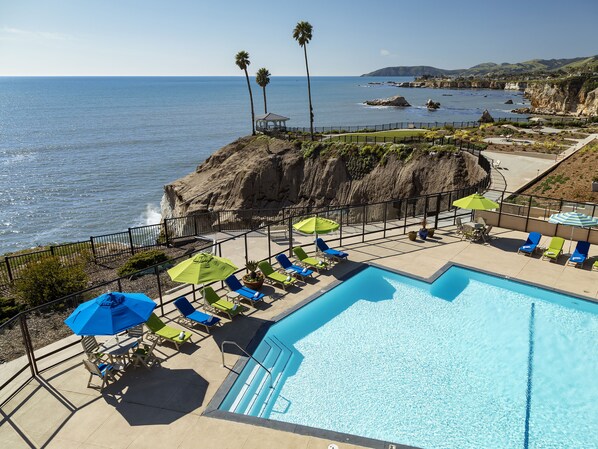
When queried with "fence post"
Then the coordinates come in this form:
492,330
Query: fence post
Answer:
437,211
159,289
529,209
8,269
28,345
119,285
406,213
341,230
269,247
290,236
93,248
166,238
502,198
131,241
384,232
52,250
363,224
246,250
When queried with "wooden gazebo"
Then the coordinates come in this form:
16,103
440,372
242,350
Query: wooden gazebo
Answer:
270,122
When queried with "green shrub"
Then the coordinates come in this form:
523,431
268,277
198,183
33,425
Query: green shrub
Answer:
142,260
8,308
49,279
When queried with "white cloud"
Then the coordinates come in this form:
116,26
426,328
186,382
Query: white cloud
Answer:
384,52
8,33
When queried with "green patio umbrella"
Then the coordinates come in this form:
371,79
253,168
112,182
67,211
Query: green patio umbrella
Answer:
202,269
475,202
316,225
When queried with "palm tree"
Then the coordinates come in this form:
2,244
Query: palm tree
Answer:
262,78
242,60
302,34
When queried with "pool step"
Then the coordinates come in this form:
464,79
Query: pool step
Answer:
255,390
244,381
266,402
256,379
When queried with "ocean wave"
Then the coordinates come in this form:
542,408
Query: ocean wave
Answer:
150,216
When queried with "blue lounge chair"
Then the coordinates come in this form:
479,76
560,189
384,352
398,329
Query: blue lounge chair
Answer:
533,239
329,252
244,292
580,254
294,270
195,316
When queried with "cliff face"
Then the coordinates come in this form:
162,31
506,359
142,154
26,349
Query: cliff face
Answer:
268,173
459,83
573,96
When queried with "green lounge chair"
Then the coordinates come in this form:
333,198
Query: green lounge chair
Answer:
275,277
221,305
555,249
309,261
167,333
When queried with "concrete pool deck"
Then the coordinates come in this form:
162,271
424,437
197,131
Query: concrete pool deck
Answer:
163,407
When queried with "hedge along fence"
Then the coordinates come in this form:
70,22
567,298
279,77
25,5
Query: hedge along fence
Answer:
111,246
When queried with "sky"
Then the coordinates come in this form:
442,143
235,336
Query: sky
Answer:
200,38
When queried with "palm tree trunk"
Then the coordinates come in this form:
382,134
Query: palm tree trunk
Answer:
251,101
311,109
265,104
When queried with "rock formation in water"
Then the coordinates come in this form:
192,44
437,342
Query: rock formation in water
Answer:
268,173
431,104
392,101
486,117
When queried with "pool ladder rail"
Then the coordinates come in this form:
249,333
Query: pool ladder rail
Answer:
228,342
252,399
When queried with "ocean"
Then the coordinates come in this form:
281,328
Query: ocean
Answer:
84,156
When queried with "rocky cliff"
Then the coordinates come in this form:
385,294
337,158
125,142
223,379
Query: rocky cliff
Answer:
268,173
569,96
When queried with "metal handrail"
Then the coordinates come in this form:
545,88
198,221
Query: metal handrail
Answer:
247,354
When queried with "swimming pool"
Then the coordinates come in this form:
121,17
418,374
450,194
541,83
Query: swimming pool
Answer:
469,361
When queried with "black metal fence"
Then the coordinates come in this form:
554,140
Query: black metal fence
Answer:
423,125
400,125
28,348
173,230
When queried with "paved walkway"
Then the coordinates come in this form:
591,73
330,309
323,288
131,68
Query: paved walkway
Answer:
520,168
162,407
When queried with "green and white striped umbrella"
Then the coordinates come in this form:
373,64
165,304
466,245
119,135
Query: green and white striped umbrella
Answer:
574,219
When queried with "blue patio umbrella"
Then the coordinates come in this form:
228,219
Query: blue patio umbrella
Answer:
573,219
110,313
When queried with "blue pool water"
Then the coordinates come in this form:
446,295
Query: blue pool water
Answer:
470,361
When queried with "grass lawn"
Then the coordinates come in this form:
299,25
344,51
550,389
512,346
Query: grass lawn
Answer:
361,137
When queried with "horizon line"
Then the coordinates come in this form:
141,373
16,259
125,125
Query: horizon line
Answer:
174,76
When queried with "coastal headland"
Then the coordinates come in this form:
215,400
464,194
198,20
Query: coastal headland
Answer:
270,173
554,87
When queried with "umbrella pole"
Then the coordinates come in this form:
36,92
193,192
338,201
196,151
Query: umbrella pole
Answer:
571,241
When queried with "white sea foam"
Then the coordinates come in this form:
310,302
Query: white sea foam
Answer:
151,215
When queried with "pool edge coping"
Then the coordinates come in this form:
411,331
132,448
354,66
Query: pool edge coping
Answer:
213,411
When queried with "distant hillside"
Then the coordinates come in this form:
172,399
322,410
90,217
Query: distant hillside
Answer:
416,70
490,68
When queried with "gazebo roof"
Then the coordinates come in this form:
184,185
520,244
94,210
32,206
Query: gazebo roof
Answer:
271,117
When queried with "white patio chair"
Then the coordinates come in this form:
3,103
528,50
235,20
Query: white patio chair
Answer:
104,371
